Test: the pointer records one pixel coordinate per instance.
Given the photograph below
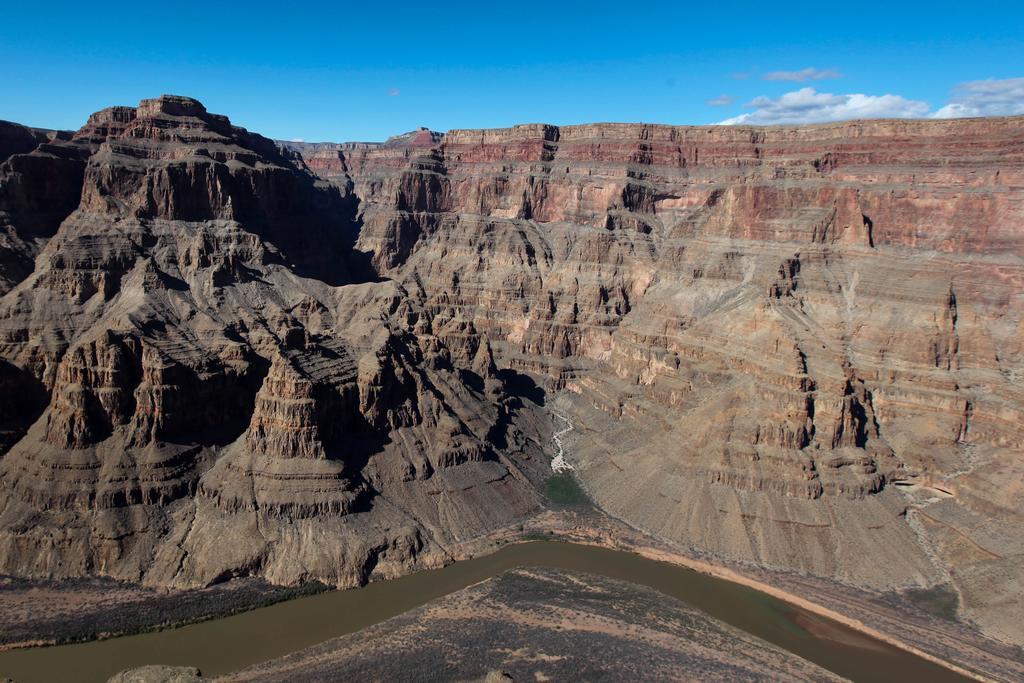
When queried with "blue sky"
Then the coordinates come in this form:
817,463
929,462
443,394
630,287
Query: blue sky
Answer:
340,71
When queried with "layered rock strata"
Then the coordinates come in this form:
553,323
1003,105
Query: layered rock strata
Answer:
794,346
798,347
203,378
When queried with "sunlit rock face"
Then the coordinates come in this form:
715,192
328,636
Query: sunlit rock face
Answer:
782,345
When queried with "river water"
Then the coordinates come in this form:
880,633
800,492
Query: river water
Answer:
230,643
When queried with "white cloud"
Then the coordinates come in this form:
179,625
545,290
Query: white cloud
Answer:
810,106
721,101
296,140
394,92
985,98
808,74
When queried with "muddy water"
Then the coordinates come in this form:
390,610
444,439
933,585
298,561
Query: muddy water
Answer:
231,643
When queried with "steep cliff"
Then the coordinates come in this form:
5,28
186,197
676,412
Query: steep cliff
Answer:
794,346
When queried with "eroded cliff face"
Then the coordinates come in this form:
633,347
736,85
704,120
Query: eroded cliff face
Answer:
799,346
203,378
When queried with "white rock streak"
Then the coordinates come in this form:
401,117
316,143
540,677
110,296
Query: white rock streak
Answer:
559,463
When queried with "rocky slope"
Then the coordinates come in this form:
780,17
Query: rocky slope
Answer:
203,378
799,346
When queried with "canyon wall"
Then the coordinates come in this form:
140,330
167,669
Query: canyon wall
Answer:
795,347
204,378
799,347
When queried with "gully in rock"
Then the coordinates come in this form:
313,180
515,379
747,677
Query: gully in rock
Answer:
558,463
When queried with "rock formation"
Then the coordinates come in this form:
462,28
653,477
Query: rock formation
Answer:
795,346
203,378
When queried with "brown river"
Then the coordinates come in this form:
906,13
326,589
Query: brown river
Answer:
231,643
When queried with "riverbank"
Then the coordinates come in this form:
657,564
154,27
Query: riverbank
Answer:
948,644
36,613
545,624
887,617
67,614
228,645
626,540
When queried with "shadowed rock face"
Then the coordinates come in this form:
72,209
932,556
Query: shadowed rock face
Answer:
759,330
17,139
199,381
40,185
